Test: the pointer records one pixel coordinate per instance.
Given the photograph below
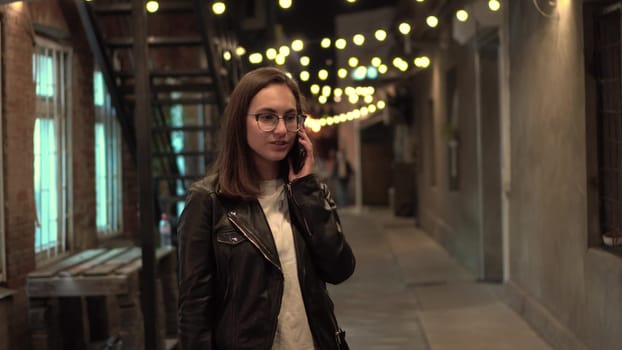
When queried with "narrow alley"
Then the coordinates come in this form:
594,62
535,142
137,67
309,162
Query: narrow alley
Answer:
474,146
407,293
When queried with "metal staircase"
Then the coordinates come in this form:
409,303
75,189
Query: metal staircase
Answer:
189,82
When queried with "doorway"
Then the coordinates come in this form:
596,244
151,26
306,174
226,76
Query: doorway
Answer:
488,46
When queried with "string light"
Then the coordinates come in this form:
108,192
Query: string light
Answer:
240,51
432,21
341,43
285,4
404,28
462,15
363,71
494,5
218,8
255,58
152,6
358,39
298,45
380,34
271,53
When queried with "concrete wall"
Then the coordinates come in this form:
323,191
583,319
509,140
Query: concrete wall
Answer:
450,215
557,276
566,288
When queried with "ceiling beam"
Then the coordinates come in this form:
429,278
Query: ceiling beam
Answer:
126,8
184,87
156,41
167,74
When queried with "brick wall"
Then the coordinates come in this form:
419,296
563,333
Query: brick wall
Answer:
19,119
83,135
18,122
18,115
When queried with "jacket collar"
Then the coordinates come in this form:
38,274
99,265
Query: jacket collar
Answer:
249,218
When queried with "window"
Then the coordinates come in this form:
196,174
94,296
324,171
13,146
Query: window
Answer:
431,132
451,128
177,144
51,64
107,161
604,123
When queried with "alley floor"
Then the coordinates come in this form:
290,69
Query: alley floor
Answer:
407,293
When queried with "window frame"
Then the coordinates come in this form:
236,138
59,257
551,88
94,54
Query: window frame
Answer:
594,141
431,149
105,116
61,112
2,211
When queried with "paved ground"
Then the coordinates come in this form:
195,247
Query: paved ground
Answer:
407,293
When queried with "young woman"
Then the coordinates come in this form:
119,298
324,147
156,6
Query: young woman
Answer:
259,237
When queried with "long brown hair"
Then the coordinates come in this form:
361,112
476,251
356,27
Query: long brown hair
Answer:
234,169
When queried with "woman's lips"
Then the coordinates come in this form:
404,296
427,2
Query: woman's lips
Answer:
279,145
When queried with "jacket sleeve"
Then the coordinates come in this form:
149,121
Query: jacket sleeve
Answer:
314,209
196,275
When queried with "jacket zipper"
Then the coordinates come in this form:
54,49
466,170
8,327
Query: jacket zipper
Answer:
250,238
338,330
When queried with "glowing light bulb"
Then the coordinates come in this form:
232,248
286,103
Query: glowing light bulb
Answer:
285,4
380,34
432,21
152,6
494,5
340,43
218,8
404,28
255,58
298,45
358,39
462,15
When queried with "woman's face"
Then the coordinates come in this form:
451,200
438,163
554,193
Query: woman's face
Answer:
270,147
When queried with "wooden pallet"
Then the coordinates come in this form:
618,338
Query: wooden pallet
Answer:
65,291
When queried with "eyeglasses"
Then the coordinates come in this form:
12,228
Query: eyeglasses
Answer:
267,121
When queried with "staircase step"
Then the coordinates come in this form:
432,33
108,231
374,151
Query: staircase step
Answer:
207,100
172,199
170,177
156,41
178,73
184,154
126,8
185,128
167,88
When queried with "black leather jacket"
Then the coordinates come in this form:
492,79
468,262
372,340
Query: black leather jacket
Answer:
230,279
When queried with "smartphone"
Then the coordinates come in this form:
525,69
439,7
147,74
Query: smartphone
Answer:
297,155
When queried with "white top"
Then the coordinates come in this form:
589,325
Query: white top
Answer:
292,332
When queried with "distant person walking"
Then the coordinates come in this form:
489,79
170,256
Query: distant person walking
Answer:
342,171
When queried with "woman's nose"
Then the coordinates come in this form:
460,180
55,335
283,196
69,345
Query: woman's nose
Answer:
280,126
